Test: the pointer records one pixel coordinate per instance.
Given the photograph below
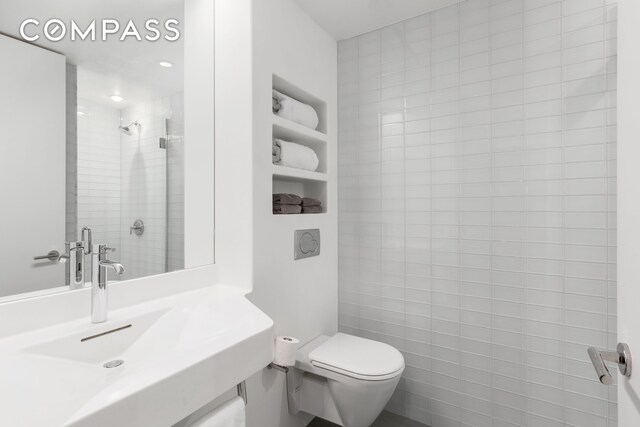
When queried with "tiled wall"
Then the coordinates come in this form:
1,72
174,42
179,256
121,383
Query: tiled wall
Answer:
98,203
477,208
144,188
71,202
123,177
175,171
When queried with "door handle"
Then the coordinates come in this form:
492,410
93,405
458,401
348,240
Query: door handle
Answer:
53,256
622,356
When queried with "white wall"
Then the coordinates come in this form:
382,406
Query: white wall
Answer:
32,165
477,208
233,142
99,174
300,296
199,112
628,205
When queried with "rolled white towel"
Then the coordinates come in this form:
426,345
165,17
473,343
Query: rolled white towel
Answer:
296,156
294,110
230,414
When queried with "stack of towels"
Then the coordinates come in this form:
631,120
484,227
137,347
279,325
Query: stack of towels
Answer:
292,204
294,110
293,155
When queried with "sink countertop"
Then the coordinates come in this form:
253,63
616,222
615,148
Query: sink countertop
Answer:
194,346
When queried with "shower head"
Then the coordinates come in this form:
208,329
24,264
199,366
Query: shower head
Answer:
128,130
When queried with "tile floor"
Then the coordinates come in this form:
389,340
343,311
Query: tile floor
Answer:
386,419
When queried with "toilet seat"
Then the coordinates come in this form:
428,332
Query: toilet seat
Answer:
357,358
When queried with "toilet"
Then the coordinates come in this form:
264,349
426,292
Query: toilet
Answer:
344,379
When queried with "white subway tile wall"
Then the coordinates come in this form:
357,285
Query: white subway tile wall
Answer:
175,258
144,188
477,198
99,174
71,157
124,177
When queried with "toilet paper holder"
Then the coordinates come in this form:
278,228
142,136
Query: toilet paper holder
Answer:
272,365
293,384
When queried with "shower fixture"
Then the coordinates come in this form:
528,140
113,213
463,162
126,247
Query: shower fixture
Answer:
128,129
164,141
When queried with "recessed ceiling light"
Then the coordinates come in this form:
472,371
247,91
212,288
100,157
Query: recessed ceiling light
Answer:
116,98
166,64
80,113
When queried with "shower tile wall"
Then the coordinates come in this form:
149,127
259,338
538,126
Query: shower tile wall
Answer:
144,189
122,178
175,258
477,208
71,166
98,202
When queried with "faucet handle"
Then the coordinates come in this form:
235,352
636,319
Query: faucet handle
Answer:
74,246
102,249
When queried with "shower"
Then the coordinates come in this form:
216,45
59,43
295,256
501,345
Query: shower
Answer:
128,130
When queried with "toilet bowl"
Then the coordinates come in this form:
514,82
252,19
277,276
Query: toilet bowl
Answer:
344,379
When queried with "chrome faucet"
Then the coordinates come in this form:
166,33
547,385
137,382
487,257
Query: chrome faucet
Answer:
99,266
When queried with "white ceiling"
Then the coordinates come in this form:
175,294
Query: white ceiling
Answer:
129,68
344,19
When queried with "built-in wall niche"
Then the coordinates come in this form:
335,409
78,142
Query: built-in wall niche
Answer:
303,187
285,87
283,130
301,182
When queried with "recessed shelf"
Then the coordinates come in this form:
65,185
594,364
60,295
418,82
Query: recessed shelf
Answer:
296,130
289,89
302,187
284,173
300,215
302,182
318,145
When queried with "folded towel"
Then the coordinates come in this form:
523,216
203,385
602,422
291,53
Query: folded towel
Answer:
286,209
294,110
275,105
311,209
286,199
310,201
296,156
276,152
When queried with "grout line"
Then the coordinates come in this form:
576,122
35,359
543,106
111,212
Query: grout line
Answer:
430,186
564,218
491,225
525,229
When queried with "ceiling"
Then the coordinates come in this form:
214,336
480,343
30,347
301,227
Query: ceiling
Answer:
129,68
344,19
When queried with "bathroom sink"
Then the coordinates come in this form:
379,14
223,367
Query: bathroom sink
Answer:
124,340
166,358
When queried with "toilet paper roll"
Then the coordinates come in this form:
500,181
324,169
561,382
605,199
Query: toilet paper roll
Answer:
286,348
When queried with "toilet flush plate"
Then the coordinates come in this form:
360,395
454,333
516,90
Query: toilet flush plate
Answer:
306,243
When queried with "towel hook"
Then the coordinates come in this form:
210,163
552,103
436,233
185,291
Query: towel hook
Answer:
622,356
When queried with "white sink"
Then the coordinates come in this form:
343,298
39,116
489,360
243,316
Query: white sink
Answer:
128,340
173,355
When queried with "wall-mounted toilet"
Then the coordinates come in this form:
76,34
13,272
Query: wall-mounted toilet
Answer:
344,379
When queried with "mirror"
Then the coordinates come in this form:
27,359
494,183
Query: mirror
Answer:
102,120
